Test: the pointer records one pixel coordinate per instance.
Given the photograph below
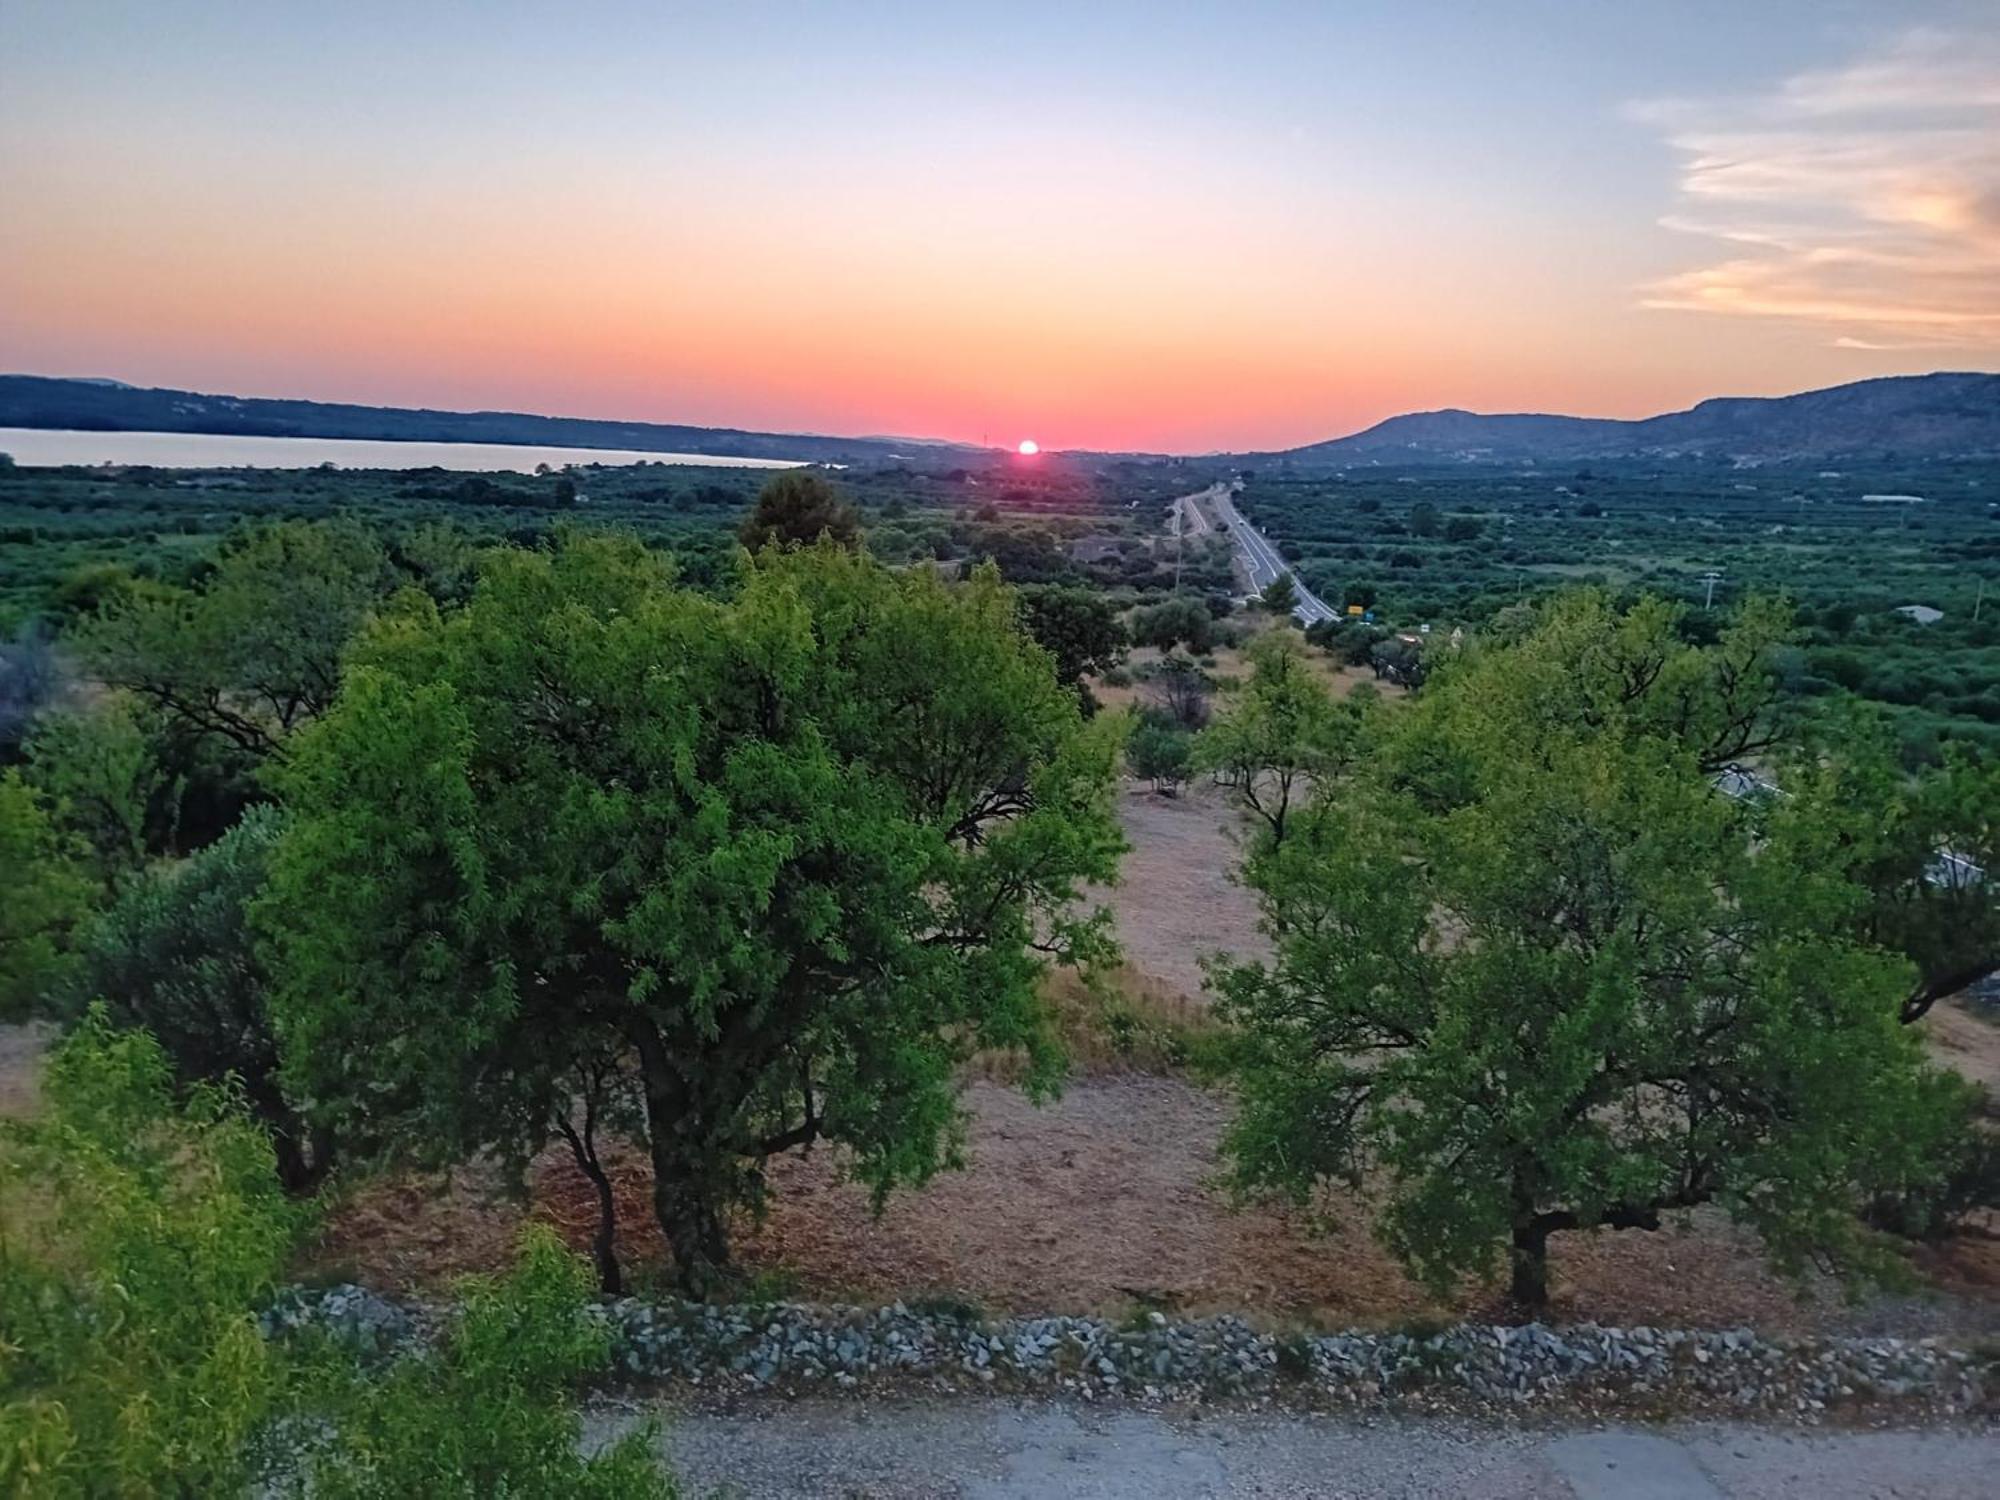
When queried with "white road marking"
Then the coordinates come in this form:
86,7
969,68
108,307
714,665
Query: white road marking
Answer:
1262,561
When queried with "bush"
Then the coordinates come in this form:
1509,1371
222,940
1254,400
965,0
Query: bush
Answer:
45,894
1174,622
175,954
1463,528
1160,751
1967,1182
487,1413
142,1237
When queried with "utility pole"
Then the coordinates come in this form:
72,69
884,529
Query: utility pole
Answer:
1710,578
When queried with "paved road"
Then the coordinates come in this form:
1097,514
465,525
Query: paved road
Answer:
1261,560
991,1448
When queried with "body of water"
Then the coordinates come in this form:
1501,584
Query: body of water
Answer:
202,450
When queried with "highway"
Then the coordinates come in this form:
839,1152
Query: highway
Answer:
1260,559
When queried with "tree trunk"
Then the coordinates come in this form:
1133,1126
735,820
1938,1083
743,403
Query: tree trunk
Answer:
304,1156
604,1243
1528,1260
691,1220
688,1199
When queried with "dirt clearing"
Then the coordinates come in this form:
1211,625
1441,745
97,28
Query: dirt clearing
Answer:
1177,899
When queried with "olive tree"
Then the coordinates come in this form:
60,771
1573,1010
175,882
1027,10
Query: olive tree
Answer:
1079,628
1159,750
1174,622
174,955
1538,974
1925,847
789,855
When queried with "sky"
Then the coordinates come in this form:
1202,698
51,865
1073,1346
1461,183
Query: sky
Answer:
1165,227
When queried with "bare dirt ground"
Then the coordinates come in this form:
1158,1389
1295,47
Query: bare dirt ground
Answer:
1102,1202
1968,1039
1176,899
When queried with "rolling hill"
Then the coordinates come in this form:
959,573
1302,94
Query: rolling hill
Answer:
1911,416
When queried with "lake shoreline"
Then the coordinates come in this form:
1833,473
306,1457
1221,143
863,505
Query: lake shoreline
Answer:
58,447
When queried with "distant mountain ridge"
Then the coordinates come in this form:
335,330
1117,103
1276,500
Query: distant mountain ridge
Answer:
1946,415
97,405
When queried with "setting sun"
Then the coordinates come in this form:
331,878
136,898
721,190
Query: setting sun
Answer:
1029,448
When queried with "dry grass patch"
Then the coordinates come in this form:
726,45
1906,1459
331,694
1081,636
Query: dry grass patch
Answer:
1124,1022
1105,1200
1177,898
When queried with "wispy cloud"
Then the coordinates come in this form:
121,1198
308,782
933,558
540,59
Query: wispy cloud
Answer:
1863,200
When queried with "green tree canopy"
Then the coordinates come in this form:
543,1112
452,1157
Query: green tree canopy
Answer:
1924,847
1283,738
256,651
795,509
140,1237
789,855
1280,595
1161,751
1078,627
1538,973
101,765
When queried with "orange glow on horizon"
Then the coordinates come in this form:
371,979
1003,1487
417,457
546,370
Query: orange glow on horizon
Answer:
1029,448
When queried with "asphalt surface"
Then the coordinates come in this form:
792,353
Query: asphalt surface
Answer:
977,1448
1261,560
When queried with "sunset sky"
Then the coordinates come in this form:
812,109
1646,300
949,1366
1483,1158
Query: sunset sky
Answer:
1163,226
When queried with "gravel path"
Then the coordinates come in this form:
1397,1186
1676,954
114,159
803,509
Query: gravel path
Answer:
996,1450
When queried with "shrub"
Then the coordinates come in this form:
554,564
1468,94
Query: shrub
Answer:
142,1237
175,954
1174,622
488,1412
1161,752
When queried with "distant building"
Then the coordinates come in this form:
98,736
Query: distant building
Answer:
1923,614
